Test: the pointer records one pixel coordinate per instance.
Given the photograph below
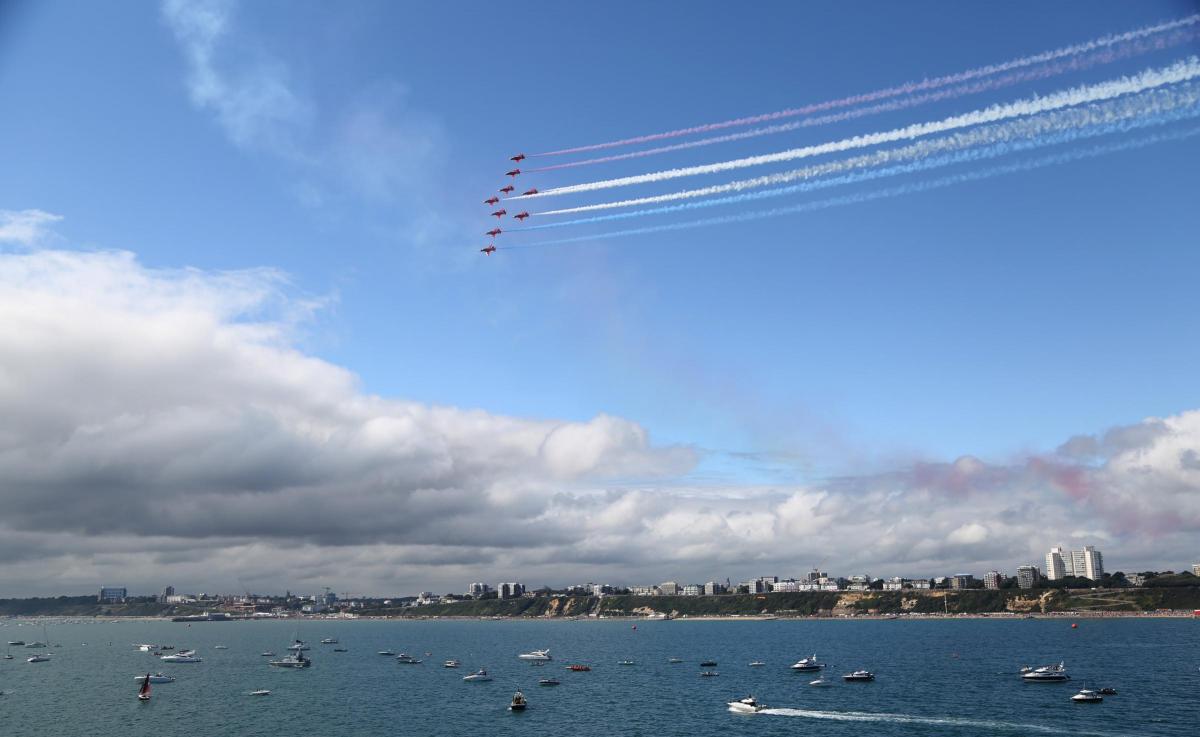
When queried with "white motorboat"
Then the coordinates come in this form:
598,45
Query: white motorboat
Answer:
156,678
389,653
38,659
626,662
298,646
187,656
329,641
16,643
479,675
807,665
451,664
748,705
296,660
1047,674
1087,696
859,675
536,655
821,682
267,654
220,647
260,692
756,664
406,659
674,660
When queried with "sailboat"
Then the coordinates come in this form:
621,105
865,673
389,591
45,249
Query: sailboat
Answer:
8,653
144,691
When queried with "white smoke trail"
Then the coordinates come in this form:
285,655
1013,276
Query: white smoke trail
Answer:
1149,103
904,189
1149,79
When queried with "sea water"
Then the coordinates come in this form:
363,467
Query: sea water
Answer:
933,677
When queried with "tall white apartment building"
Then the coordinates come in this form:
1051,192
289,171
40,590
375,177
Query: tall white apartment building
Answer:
1058,563
1088,563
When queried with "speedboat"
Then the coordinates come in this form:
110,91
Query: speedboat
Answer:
1047,674
479,675
329,641
674,660
1087,696
757,664
518,702
220,647
548,682
407,659
38,659
859,675
451,664
292,661
187,656
748,705
157,678
260,692
709,674
536,655
267,654
807,665
821,682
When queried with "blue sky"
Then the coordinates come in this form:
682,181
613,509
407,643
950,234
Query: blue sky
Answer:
993,319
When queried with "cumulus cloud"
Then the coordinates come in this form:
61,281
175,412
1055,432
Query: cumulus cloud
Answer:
26,227
161,426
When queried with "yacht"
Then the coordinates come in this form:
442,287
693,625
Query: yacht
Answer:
407,659
187,656
299,645
518,702
37,644
451,664
292,661
859,675
1087,696
807,665
38,659
479,675
157,678
536,655
1046,674
748,705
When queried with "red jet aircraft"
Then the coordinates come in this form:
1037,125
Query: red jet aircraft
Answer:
491,200
512,173
500,213
518,158
489,250
506,190
528,192
521,215
493,232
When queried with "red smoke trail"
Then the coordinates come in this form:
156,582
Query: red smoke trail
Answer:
904,89
1117,52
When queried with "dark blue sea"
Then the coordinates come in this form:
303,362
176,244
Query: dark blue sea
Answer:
935,677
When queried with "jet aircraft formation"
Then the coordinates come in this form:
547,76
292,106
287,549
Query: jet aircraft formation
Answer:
498,214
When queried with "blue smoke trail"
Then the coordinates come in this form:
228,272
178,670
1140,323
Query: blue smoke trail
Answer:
933,162
905,189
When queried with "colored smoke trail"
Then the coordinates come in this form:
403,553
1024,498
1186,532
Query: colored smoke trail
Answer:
904,189
926,164
867,716
1180,71
1153,102
1073,64
904,89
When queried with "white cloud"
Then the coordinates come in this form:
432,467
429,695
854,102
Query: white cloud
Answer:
26,227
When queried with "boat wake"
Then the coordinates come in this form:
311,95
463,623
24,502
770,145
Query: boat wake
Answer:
866,716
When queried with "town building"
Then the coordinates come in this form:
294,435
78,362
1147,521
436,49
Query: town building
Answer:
692,589
1087,563
668,588
920,583
1028,576
992,579
961,581
787,586
1135,579
712,588
112,595
1196,569
509,590
478,589
1058,564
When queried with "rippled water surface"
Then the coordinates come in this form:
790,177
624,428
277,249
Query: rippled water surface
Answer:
955,677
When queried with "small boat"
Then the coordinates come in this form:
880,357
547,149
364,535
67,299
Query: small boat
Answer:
1087,696
709,674
156,678
340,650
220,647
406,659
389,653
479,675
748,705
536,655
292,661
451,664
757,664
37,644
626,662
1047,674
1106,691
821,682
187,656
579,668
144,691
260,692
674,660
708,664
166,647
267,654
329,641
548,682
298,646
16,643
38,659
807,665
859,675
518,702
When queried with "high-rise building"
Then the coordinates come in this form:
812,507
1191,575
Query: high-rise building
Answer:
1058,563
509,590
111,595
1087,563
478,589
962,581
1028,576
712,588
669,588
1196,569
992,579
